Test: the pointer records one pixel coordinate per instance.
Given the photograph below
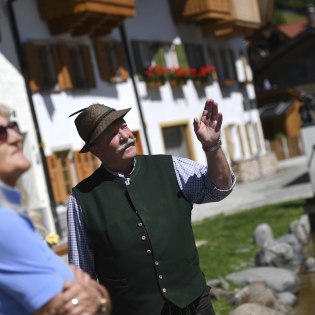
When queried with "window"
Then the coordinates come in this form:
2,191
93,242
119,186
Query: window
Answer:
252,137
41,67
60,175
239,133
229,143
74,66
228,66
248,74
234,142
84,164
143,54
139,148
63,174
170,55
175,140
111,61
213,61
195,55
62,66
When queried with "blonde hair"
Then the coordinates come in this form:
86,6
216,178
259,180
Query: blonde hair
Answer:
5,111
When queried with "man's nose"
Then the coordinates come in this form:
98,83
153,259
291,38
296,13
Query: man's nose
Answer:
123,134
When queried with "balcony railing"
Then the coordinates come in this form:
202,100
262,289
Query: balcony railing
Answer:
92,17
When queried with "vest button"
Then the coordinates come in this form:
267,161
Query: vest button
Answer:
156,263
139,224
148,251
164,290
160,277
143,237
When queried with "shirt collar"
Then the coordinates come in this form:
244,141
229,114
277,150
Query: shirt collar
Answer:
10,198
117,174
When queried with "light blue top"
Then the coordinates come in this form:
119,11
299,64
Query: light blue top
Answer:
30,272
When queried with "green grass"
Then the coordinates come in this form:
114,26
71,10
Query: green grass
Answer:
287,18
226,234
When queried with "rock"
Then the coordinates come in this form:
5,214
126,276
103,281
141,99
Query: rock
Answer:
298,229
277,254
218,282
309,265
278,279
254,309
287,298
295,244
305,221
256,292
262,234
219,294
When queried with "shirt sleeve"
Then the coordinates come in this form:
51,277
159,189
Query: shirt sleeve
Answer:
30,272
195,183
80,248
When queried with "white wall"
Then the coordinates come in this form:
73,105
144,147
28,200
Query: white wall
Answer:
13,93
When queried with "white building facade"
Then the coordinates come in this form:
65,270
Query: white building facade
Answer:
14,94
67,70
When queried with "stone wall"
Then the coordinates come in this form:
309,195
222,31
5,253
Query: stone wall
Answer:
253,168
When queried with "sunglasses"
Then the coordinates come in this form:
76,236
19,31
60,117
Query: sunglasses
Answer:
4,130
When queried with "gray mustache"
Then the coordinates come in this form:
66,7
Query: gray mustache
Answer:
123,146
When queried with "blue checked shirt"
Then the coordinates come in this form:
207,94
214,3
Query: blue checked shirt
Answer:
193,181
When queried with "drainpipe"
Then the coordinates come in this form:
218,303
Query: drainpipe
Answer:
132,75
18,48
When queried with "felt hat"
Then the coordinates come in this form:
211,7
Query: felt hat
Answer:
94,120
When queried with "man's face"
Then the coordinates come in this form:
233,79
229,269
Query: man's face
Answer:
13,162
115,145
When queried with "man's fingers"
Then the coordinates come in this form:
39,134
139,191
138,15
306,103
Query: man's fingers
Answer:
196,123
219,122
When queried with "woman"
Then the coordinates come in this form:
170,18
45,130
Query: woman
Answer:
33,280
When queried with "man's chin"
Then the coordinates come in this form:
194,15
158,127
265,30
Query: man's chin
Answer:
131,151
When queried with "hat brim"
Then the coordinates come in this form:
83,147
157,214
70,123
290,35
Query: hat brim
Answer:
102,126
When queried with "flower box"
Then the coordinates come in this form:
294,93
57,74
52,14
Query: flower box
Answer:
154,84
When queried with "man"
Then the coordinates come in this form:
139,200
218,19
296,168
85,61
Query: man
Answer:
129,223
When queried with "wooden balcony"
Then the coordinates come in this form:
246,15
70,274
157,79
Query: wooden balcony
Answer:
245,19
266,11
223,18
200,10
85,17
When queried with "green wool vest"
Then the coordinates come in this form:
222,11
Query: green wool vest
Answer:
145,251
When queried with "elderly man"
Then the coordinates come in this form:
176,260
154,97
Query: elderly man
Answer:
129,223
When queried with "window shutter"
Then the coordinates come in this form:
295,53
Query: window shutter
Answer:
137,56
88,66
159,55
250,146
228,137
121,58
214,62
63,64
57,179
33,67
181,56
83,164
102,50
233,58
239,133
